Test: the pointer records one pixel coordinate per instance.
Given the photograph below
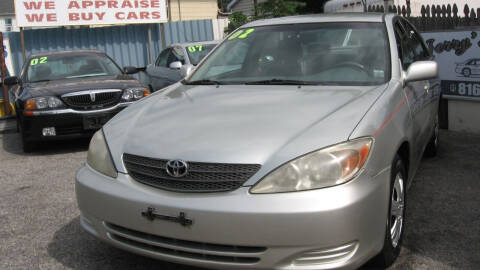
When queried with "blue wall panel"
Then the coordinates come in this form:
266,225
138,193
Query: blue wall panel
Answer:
127,45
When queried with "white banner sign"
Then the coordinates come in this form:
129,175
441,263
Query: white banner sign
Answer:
37,13
8,56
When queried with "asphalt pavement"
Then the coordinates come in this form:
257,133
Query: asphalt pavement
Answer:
39,218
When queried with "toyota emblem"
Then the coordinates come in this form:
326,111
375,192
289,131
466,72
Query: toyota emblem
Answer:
177,168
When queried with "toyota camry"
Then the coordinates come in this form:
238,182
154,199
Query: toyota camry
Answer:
290,146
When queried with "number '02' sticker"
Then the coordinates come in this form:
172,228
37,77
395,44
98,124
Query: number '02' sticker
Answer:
241,34
36,61
195,48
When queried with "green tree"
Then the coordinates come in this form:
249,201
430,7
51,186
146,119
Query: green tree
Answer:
278,8
274,9
237,19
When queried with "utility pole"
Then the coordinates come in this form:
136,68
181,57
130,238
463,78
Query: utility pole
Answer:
3,73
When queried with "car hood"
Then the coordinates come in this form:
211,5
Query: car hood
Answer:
266,125
60,87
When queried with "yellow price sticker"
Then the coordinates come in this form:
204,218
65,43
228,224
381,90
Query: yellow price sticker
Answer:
241,34
36,61
195,48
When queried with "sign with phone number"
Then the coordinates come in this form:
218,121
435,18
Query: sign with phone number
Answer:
461,88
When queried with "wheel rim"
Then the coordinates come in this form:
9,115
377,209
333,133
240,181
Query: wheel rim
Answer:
397,209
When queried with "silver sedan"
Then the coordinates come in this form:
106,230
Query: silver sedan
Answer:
290,146
173,62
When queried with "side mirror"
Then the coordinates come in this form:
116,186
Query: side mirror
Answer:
186,70
10,81
176,65
421,70
130,70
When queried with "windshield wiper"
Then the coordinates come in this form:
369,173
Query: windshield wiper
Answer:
282,82
202,82
46,80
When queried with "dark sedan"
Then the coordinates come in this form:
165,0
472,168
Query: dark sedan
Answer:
63,95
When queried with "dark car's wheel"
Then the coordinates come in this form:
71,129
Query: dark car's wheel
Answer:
466,72
396,214
433,144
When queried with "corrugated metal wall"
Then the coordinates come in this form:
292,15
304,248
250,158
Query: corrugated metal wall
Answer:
127,45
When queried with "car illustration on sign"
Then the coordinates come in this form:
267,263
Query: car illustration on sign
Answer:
469,68
290,146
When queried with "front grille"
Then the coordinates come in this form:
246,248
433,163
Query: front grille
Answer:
201,177
90,100
183,248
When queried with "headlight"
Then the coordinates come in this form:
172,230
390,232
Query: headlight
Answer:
42,103
135,94
99,157
327,167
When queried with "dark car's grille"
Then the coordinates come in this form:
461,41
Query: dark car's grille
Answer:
201,177
183,248
94,100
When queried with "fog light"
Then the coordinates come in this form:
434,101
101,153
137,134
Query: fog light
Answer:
49,131
327,255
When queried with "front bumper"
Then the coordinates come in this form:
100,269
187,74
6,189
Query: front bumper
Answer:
68,123
333,228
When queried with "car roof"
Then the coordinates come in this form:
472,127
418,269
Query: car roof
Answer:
186,44
319,18
66,53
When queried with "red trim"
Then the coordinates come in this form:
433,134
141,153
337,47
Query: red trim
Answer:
392,115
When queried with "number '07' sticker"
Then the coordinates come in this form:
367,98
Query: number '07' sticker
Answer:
36,61
241,34
195,48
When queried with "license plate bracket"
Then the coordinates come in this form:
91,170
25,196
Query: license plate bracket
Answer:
92,122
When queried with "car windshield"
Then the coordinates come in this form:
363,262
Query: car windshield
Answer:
197,52
69,66
314,53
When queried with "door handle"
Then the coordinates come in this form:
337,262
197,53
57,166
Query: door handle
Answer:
427,88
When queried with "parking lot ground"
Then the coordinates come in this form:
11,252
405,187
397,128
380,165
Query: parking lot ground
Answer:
39,218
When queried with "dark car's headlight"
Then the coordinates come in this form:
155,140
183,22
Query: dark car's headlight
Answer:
133,94
43,103
99,157
327,167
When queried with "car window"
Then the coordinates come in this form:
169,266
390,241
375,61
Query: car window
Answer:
232,61
162,58
176,54
321,53
421,52
197,52
67,66
406,50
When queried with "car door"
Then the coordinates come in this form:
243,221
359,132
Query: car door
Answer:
177,55
160,73
431,88
415,91
155,71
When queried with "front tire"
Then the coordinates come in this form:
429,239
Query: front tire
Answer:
396,214
432,146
